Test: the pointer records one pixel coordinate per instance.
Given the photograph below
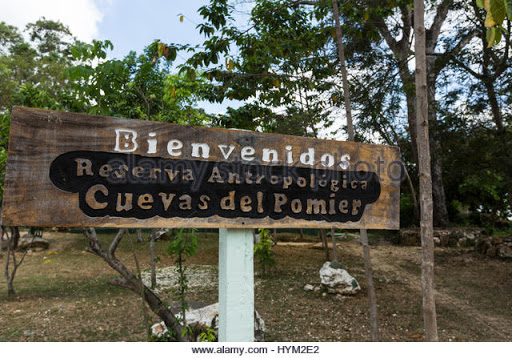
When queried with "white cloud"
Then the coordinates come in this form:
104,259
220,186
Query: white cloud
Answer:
81,16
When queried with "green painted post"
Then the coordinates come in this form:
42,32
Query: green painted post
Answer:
236,285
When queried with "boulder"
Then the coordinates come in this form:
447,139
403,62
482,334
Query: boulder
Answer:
34,243
483,245
504,252
209,316
337,280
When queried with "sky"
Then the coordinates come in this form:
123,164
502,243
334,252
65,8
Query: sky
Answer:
129,24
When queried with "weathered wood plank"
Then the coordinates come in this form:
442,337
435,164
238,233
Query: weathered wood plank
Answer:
69,169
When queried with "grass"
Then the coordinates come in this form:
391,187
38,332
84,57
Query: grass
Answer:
68,298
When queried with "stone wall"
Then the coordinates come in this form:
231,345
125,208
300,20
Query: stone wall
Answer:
495,247
500,247
454,237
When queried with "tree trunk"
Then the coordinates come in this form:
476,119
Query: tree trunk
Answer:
334,246
323,237
11,293
2,234
495,107
426,206
372,300
488,80
439,197
416,212
410,97
440,211
8,278
15,237
139,235
153,258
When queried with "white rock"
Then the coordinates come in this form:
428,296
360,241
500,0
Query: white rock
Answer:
209,316
308,288
338,280
28,333
159,329
34,243
204,315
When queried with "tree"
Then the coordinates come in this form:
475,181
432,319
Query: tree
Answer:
484,69
12,235
33,73
131,281
401,48
281,62
374,322
137,87
426,207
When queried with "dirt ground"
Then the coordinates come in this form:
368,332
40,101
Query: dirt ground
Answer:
63,295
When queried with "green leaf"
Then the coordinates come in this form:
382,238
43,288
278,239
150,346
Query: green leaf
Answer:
498,36
480,3
170,54
508,7
181,18
491,36
498,10
191,74
161,48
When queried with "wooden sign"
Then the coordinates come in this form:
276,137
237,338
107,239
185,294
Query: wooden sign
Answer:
69,169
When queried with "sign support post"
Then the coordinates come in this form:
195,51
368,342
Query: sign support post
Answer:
236,285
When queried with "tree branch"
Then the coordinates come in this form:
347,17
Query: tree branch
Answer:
386,34
469,70
116,241
92,238
305,2
121,282
434,31
443,59
26,251
404,42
